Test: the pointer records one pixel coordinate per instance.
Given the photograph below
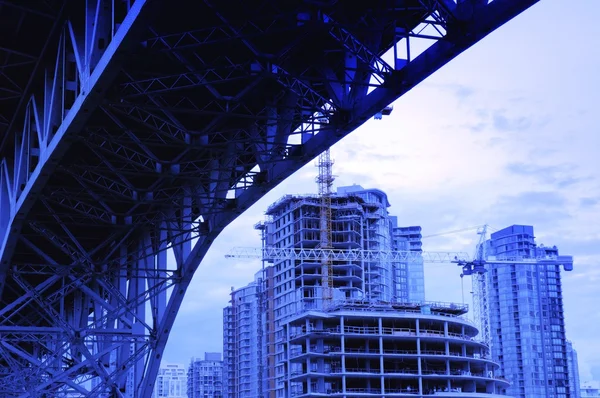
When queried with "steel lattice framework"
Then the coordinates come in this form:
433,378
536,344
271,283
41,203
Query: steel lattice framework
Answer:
270,253
133,127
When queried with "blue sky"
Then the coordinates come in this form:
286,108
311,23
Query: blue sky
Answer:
505,134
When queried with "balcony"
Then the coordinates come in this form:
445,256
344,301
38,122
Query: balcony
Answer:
375,331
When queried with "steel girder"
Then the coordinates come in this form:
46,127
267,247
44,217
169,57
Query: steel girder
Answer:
154,127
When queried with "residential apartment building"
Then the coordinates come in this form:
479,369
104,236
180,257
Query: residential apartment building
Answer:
205,377
245,338
410,276
360,220
171,381
526,315
573,364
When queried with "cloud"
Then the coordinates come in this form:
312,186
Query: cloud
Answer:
529,169
463,92
502,122
561,175
532,200
589,202
478,127
459,91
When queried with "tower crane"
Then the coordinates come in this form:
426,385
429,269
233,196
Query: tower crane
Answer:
474,266
270,254
329,256
477,268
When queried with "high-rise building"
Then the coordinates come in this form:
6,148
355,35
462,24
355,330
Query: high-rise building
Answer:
205,377
245,340
171,381
573,364
360,220
526,316
410,276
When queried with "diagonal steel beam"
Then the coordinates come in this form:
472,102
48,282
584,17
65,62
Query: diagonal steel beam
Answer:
209,75
379,67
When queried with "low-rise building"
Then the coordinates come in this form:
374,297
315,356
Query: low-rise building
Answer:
205,377
171,381
590,389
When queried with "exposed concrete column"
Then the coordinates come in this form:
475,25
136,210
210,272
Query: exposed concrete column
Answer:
343,348
445,329
419,364
381,369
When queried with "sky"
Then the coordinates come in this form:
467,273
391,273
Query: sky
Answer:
507,133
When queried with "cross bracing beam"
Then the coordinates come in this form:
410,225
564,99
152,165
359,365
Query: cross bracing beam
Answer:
206,76
193,122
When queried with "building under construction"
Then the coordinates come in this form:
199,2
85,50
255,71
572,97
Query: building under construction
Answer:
287,287
388,350
359,220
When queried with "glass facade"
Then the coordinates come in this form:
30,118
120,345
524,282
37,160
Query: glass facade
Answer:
410,276
526,316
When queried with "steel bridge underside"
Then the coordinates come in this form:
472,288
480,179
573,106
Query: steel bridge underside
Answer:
133,127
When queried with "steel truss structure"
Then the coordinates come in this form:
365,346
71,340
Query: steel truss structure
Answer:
270,253
132,127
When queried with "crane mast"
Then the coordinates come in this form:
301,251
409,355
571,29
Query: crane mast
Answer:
481,311
325,182
477,269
